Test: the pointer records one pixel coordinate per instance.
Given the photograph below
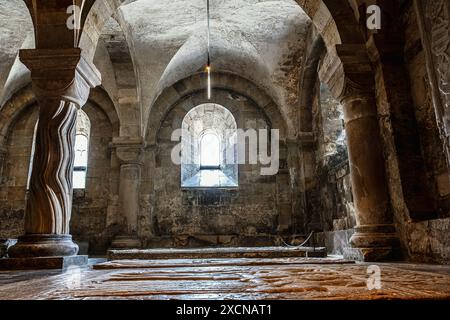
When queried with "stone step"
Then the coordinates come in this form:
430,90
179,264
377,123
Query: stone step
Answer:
211,262
205,253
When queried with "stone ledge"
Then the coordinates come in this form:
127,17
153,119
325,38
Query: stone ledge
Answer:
42,263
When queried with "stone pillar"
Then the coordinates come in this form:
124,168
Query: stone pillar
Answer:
374,238
61,82
129,152
350,77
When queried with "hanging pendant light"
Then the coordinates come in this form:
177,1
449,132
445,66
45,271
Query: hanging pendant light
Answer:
208,64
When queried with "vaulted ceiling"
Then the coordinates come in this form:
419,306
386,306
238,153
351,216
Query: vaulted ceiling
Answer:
262,41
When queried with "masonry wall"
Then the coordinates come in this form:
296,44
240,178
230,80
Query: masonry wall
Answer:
427,239
330,206
90,205
15,169
424,234
255,213
89,211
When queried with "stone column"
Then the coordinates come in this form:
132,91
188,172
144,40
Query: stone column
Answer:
61,82
129,152
350,77
374,238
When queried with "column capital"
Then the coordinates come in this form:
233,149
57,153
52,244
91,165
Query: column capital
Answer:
129,150
348,72
60,74
305,140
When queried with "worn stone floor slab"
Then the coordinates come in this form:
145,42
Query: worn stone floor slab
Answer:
137,263
230,279
205,253
42,263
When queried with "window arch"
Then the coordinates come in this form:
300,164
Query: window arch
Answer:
208,149
81,149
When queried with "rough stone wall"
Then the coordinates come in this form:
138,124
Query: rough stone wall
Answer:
249,215
330,202
15,171
89,211
426,240
423,237
432,148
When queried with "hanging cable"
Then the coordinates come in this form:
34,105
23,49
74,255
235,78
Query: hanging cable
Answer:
300,245
208,64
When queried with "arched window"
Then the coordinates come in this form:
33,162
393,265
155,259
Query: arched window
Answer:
81,148
80,163
209,150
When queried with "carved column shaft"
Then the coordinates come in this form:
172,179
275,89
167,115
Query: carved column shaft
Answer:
130,174
49,205
374,235
129,153
61,82
366,160
350,77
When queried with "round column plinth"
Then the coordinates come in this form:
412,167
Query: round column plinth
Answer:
374,236
43,245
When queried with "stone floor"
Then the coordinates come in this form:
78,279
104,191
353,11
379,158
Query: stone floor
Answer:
283,278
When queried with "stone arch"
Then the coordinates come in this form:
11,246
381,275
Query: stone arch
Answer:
13,108
24,98
191,92
125,74
308,83
100,98
335,20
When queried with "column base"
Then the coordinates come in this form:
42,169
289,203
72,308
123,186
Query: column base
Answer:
125,242
43,263
43,245
369,254
373,243
4,246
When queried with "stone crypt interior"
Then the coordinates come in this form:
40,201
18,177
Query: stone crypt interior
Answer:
92,206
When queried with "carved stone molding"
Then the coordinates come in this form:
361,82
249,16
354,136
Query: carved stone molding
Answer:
54,26
434,23
60,74
348,73
129,150
305,141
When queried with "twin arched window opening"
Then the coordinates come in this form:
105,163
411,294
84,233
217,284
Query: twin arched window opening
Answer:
209,148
